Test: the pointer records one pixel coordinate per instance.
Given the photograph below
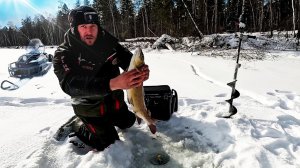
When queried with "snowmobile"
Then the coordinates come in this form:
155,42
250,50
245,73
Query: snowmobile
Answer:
34,63
29,65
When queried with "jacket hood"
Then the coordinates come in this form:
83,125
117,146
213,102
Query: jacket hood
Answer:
105,41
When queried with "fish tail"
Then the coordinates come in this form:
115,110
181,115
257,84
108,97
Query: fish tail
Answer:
152,128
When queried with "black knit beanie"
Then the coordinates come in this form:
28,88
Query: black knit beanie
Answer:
82,15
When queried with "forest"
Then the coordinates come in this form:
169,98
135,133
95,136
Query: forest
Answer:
152,18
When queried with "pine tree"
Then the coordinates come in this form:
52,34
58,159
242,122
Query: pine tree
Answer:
108,14
4,36
221,16
261,14
233,12
27,27
127,18
298,21
62,22
162,11
146,11
12,34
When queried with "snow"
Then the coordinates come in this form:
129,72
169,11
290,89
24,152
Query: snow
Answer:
160,42
264,132
242,25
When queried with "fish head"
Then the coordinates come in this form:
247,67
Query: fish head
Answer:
138,57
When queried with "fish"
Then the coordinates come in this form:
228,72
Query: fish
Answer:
136,95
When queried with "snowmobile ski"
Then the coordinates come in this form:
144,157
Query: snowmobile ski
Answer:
8,85
13,85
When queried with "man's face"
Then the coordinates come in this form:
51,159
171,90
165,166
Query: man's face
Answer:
88,33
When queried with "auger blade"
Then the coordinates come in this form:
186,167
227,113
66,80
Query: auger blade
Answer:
229,101
232,111
235,94
232,84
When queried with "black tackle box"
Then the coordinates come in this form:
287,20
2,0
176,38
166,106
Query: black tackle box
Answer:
161,100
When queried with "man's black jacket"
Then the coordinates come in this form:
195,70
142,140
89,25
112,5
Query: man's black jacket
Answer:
84,73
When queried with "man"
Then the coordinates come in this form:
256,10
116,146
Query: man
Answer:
87,67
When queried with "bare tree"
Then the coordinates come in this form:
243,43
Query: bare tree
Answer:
112,16
216,16
261,18
294,19
206,16
271,18
12,33
253,16
200,33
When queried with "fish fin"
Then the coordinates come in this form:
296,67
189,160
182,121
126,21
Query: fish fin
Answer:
149,112
139,120
130,100
152,128
153,121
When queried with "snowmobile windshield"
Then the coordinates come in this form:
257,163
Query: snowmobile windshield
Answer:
35,46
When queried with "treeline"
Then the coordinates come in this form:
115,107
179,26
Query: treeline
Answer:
50,30
144,18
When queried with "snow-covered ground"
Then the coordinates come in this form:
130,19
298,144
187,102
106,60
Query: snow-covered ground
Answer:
264,133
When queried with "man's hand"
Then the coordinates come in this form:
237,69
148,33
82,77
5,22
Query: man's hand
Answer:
145,70
130,79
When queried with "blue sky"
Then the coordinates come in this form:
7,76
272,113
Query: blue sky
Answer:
16,10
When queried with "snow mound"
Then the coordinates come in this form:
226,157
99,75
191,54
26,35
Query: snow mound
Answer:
161,42
250,41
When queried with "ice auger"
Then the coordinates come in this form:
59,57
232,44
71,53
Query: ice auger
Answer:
235,93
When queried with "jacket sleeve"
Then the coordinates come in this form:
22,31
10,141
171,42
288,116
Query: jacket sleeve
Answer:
124,55
77,85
